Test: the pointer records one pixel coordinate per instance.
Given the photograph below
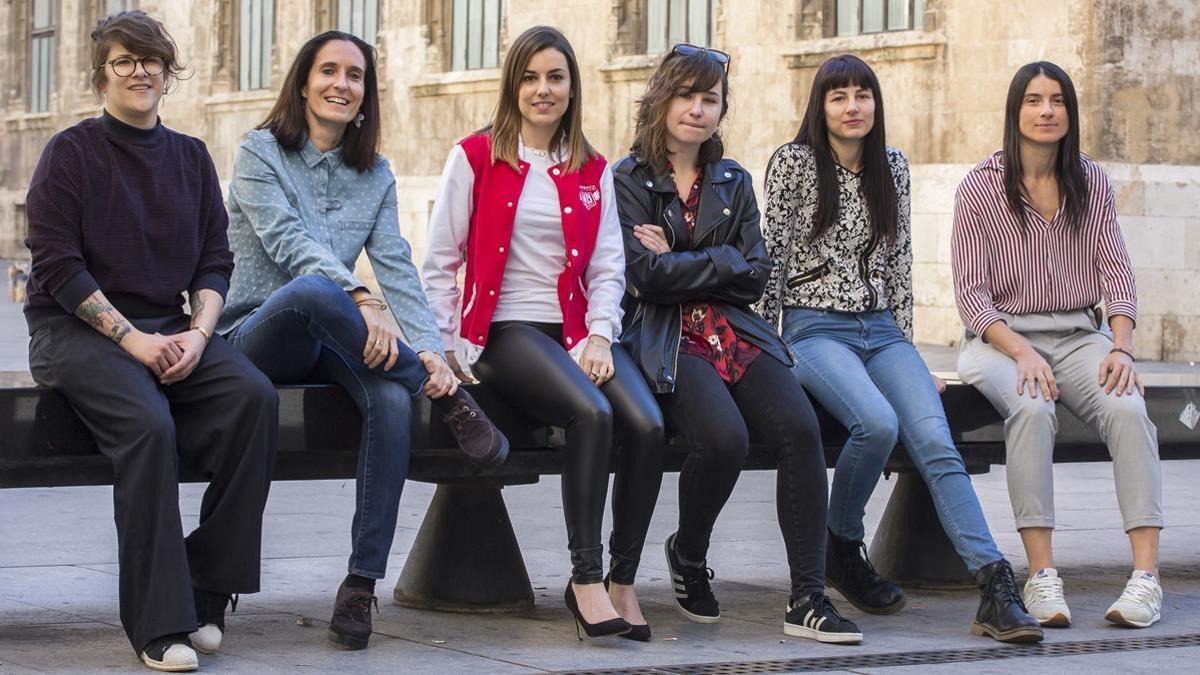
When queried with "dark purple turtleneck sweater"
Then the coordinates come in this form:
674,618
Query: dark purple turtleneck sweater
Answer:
136,213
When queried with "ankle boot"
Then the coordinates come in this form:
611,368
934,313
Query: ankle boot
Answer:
1002,616
848,570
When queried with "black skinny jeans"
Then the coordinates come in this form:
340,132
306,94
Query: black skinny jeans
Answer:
769,402
527,363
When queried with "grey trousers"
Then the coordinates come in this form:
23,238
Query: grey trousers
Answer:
1074,348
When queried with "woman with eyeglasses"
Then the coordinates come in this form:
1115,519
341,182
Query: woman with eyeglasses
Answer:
529,205
695,263
125,217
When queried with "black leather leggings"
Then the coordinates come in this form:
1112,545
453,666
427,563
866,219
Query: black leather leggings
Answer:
527,363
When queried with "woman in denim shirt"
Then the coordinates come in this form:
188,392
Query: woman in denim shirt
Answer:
309,194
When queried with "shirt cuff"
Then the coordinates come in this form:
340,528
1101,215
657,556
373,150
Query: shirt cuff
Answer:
602,328
77,289
983,320
1122,308
213,281
428,343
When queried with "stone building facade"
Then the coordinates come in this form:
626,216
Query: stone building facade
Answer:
944,70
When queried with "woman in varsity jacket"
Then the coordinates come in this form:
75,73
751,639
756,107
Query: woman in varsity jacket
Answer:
696,261
529,205
1036,247
837,225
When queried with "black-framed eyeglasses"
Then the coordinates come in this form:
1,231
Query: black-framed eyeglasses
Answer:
684,49
124,66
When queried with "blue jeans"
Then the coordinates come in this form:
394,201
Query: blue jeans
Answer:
310,331
866,374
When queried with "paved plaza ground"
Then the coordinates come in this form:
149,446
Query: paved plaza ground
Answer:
58,586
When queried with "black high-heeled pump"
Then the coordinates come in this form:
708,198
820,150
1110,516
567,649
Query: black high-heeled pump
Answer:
639,631
617,626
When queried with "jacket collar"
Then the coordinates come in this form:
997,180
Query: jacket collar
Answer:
660,181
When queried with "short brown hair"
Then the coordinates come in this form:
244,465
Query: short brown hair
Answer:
141,35
698,72
287,120
505,127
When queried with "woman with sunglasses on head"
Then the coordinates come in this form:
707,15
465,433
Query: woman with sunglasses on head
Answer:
529,204
1036,246
125,217
309,194
696,262
837,226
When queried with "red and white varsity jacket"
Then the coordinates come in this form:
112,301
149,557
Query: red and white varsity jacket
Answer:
472,220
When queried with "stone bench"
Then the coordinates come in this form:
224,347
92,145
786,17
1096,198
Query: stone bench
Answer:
466,557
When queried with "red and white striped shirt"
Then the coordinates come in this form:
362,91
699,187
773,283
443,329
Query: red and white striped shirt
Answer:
1047,268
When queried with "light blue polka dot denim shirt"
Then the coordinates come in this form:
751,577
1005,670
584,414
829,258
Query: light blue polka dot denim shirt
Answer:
296,213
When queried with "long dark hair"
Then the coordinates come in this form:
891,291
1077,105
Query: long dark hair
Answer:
360,144
1068,169
878,186
673,72
505,127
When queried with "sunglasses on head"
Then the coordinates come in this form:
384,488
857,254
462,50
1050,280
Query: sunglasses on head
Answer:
717,55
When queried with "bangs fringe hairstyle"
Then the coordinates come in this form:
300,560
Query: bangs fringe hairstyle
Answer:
505,126
143,36
287,121
879,188
677,74
1068,169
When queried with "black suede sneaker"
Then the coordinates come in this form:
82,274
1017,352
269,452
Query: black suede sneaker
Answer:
481,440
350,627
693,594
816,618
170,654
1001,615
210,612
850,572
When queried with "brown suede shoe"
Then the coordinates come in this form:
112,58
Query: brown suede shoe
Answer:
483,443
350,627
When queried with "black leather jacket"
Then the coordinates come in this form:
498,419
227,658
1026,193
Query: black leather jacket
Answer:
728,265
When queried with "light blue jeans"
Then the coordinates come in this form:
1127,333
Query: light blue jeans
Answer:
865,373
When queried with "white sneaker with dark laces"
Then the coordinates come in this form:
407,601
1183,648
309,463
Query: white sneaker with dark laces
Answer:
1140,605
1043,597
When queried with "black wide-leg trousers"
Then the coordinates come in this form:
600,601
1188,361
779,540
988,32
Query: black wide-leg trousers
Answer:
220,422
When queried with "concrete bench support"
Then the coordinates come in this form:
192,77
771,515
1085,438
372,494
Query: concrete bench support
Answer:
465,557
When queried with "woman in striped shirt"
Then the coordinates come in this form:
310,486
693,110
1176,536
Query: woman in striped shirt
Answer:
1036,246
837,227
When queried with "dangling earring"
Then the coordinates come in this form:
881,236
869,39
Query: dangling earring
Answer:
358,120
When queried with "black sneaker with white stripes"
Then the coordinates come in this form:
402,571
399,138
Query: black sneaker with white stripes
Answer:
817,619
693,594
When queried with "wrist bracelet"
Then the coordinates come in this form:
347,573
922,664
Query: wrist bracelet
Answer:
1123,351
203,331
374,302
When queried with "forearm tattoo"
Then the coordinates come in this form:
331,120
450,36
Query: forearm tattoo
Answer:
102,316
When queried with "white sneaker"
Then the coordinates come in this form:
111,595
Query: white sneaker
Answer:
207,638
1140,605
1043,597
176,658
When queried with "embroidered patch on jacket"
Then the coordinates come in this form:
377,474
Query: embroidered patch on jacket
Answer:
589,195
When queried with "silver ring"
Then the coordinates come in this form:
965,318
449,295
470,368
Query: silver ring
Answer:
595,373
378,342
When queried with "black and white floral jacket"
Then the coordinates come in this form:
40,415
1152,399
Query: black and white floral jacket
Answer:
847,269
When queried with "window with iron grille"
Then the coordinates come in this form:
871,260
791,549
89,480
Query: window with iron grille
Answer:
669,22
256,37
359,17
41,55
858,17
475,34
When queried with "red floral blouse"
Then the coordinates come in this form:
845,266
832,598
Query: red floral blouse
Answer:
706,332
